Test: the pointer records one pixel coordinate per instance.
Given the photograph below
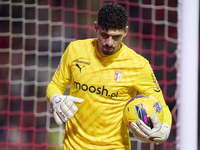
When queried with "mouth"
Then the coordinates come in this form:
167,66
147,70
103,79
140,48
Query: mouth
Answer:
108,48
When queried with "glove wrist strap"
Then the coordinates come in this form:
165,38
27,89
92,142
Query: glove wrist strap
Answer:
53,97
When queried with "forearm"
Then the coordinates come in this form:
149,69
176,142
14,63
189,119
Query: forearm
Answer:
167,118
52,89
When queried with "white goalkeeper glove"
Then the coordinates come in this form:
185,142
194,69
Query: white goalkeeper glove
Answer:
158,134
63,107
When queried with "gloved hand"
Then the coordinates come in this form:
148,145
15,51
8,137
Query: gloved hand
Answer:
158,134
63,107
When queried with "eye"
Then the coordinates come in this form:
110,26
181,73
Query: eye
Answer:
104,35
117,37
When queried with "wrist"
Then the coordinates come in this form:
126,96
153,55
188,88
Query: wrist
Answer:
167,129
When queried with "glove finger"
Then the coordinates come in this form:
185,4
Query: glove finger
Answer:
139,137
57,118
143,139
131,130
67,112
137,131
157,140
146,129
75,99
61,114
156,122
70,104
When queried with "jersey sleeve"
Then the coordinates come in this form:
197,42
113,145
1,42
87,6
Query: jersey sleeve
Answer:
146,83
62,77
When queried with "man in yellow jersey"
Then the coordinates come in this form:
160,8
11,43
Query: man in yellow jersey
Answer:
103,74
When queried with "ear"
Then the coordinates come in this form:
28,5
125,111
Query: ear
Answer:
95,26
126,31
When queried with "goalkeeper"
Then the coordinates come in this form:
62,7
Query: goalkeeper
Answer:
103,74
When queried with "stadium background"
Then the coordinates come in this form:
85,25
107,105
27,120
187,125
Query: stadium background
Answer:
33,36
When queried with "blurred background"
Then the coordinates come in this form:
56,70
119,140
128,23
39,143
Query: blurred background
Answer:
33,36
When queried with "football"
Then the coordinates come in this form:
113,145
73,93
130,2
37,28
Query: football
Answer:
142,106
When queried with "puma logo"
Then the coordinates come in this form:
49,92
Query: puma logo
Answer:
79,67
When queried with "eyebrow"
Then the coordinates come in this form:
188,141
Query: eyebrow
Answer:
109,34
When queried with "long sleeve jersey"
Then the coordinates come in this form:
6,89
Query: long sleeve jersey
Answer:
106,83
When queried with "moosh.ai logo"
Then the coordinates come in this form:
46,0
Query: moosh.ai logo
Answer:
92,89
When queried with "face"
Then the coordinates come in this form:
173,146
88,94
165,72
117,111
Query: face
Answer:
109,42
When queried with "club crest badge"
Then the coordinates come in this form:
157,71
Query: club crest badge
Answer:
59,64
118,75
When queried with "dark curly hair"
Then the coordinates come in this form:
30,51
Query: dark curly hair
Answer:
112,16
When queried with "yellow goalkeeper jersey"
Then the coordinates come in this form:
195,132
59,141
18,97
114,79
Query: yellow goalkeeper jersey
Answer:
106,83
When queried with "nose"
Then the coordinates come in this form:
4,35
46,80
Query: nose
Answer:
109,41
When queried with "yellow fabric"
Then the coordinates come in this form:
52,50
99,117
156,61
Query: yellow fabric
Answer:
96,78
